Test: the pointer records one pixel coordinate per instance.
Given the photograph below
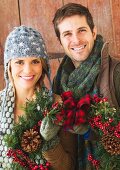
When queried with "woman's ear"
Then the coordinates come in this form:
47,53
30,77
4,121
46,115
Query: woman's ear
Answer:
9,71
10,74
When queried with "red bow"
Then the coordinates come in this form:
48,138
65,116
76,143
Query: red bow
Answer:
73,112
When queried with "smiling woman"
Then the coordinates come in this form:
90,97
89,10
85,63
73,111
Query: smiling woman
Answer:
26,64
26,72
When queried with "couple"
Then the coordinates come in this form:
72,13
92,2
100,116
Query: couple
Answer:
86,67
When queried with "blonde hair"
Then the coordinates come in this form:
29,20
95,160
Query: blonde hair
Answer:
45,71
40,82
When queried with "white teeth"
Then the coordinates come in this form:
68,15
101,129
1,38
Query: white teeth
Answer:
27,78
77,49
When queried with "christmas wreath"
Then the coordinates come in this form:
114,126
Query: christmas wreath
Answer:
103,119
25,143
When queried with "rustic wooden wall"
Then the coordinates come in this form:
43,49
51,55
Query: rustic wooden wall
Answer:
9,17
39,14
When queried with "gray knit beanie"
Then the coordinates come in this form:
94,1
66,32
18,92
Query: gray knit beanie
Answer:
23,42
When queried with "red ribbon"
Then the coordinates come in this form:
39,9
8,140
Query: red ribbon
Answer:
74,112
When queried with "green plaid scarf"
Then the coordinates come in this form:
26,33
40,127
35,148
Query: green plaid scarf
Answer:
81,80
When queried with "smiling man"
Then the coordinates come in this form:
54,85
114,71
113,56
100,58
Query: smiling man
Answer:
86,68
76,38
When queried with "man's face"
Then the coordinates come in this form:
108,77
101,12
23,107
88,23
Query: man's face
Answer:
76,38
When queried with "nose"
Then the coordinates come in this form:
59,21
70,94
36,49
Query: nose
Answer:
27,68
75,38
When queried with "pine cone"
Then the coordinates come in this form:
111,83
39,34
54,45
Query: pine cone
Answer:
30,141
111,144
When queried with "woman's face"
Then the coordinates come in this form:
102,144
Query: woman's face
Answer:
26,71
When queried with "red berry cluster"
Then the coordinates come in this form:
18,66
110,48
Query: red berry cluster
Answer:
24,161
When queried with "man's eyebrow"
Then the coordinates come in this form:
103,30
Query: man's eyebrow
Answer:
66,32
81,28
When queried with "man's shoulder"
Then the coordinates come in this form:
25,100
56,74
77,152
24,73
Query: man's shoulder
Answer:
115,63
115,59
117,67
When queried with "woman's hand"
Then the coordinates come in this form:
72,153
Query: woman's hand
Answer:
48,129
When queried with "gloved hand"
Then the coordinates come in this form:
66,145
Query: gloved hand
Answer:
48,129
86,131
80,129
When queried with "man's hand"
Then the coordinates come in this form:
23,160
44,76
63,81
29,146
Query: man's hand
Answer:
80,129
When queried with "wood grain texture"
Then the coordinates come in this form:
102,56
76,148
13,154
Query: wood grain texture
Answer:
102,16
115,7
39,14
9,17
82,2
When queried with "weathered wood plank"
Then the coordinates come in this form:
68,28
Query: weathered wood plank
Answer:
39,14
115,6
101,11
82,2
9,18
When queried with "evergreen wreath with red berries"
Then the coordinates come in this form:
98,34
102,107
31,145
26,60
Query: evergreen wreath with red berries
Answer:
25,143
103,119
